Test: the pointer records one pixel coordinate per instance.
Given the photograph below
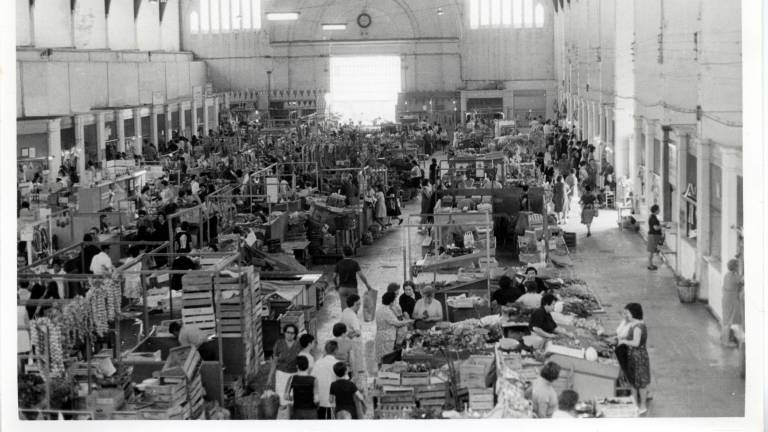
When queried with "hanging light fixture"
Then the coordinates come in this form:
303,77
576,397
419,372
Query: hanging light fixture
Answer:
330,27
282,16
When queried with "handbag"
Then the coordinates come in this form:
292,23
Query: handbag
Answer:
369,304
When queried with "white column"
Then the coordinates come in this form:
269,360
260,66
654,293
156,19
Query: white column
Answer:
704,158
216,113
193,117
682,185
80,146
634,159
120,130
731,168
602,124
154,127
205,117
101,137
650,131
182,121
139,145
168,127
227,100
54,148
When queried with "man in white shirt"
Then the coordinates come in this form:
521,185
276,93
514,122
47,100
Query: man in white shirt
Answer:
194,185
166,195
349,316
325,376
101,263
531,299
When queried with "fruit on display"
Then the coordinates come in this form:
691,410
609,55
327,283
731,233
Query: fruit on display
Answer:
31,390
47,344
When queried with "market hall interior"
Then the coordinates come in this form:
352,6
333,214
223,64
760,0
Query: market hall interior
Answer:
192,172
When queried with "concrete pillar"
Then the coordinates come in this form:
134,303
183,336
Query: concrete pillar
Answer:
635,159
205,117
682,185
588,121
216,113
80,146
227,100
193,117
154,127
101,137
731,168
602,124
182,121
139,144
54,148
650,178
704,158
168,126
120,130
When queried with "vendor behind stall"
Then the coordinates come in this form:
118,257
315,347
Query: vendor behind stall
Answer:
507,293
427,310
542,323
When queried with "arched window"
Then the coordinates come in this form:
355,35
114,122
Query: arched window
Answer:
237,17
517,13
215,17
246,15
528,13
205,18
538,15
194,23
226,18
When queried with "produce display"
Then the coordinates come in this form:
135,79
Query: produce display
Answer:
92,313
31,390
47,343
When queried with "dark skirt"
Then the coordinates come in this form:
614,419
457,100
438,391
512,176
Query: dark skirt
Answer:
654,240
638,367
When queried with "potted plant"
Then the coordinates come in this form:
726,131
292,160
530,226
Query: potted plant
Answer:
687,289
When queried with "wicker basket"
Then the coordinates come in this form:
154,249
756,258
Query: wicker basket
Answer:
687,292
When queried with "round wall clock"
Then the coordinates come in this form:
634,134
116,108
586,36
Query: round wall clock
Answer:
364,20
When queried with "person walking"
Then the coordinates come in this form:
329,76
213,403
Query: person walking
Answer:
588,209
654,236
345,277
560,193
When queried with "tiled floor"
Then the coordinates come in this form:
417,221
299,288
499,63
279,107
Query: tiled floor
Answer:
693,376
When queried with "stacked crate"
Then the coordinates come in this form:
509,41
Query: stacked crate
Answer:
431,396
197,303
239,309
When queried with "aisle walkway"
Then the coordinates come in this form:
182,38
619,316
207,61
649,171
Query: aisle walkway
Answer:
692,375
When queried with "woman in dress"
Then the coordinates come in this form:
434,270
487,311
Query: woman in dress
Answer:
638,370
381,207
395,288
732,314
588,209
393,205
559,197
386,326
655,233
284,355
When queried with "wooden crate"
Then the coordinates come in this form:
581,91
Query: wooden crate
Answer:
474,371
414,378
481,399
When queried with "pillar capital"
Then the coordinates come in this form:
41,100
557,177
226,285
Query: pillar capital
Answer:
53,125
79,120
